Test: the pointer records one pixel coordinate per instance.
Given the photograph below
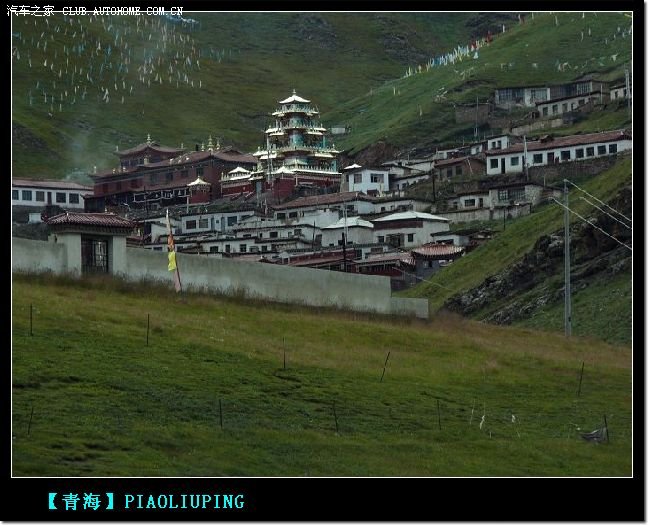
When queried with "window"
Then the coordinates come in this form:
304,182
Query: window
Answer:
254,248
449,172
273,235
40,196
517,194
60,197
545,111
589,151
231,221
494,163
554,109
382,208
260,235
469,203
515,161
242,248
190,225
213,249
169,176
27,195
297,232
502,195
292,215
357,178
601,150
613,149
74,198
203,223
15,194
564,107
565,155
381,238
458,170
581,102
537,158
580,153
264,248
281,215
200,171
184,174
499,144
227,248
155,178
410,237
377,177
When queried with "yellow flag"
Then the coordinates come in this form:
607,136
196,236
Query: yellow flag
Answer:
172,261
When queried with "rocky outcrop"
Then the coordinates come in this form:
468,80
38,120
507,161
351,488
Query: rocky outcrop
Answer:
593,254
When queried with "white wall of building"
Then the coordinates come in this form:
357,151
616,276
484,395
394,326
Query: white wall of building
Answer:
356,235
33,196
411,237
367,179
514,161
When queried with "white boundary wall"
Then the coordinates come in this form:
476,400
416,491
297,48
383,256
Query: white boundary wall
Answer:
286,284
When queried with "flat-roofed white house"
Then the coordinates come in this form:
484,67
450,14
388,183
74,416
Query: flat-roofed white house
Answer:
549,150
40,193
619,92
357,231
372,181
560,106
498,142
408,229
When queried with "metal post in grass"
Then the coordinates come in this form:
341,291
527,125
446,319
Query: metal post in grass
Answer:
580,381
220,412
336,421
148,324
284,352
385,366
30,421
31,319
607,433
439,413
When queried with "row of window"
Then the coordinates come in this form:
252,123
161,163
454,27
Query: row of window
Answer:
154,178
565,107
61,197
204,223
581,153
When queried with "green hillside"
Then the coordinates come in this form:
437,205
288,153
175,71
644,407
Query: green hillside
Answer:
596,315
241,64
419,109
92,398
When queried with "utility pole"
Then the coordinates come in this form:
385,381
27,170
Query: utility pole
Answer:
526,164
344,268
568,317
627,89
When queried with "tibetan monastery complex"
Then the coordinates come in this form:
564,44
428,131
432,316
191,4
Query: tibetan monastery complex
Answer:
296,155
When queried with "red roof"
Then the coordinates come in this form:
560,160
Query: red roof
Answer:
146,145
437,251
449,162
53,184
330,198
90,219
561,142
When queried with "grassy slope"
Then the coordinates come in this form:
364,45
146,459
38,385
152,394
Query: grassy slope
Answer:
511,244
260,59
106,404
539,41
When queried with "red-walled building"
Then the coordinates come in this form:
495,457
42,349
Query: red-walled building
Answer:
154,176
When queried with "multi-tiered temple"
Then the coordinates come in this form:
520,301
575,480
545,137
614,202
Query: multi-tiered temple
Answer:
297,151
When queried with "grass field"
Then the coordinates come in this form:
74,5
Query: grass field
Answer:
91,398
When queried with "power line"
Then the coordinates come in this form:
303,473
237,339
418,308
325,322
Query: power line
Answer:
606,213
592,224
599,200
425,280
